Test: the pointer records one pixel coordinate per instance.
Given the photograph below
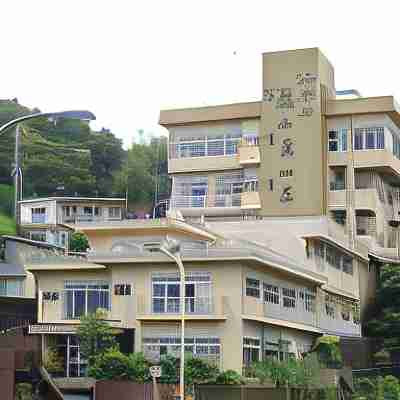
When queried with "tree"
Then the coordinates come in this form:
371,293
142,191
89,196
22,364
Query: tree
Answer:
79,242
386,323
96,336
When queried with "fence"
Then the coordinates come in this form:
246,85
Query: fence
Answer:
126,390
258,392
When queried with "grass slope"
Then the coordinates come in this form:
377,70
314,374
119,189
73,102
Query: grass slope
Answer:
7,225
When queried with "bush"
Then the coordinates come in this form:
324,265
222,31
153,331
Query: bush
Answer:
198,371
79,242
138,368
53,362
229,377
111,364
23,391
170,369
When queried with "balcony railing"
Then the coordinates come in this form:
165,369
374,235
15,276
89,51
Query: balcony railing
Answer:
38,219
74,219
218,200
193,305
337,185
204,147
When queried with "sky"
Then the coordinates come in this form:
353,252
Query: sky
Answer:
127,59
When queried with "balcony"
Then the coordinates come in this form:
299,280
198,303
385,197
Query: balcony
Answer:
196,308
250,201
217,204
249,151
311,316
78,218
204,154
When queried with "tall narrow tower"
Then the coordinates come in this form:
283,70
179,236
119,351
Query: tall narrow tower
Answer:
293,168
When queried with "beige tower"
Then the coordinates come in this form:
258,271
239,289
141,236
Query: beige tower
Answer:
292,171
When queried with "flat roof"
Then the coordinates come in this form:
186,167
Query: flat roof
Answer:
60,198
221,112
35,243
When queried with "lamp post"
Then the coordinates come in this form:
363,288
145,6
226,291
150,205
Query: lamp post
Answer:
17,172
171,248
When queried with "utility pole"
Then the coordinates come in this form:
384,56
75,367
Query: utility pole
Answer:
17,187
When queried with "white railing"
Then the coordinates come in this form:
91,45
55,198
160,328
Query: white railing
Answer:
87,218
204,147
193,305
217,200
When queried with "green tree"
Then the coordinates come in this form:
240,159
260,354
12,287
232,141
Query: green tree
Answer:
79,242
96,336
229,377
386,323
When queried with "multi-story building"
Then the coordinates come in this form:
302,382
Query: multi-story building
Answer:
282,207
301,150
275,303
45,219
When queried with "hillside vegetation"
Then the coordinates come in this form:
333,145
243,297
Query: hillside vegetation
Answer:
66,157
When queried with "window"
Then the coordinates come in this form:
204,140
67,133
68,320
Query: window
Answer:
252,287
97,211
200,347
166,293
83,297
309,299
88,210
66,211
114,212
347,265
286,173
330,307
337,140
39,215
271,293
12,287
39,236
319,253
251,351
68,348
369,138
289,297
123,289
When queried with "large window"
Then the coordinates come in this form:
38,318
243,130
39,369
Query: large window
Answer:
11,287
166,293
207,146
39,215
369,138
84,297
271,293
252,287
67,346
289,297
208,348
337,140
114,212
325,253
251,350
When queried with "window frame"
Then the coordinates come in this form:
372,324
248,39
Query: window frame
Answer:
253,291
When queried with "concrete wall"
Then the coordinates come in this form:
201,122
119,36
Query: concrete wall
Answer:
288,95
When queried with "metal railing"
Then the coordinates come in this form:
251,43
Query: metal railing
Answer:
193,305
87,218
217,200
337,185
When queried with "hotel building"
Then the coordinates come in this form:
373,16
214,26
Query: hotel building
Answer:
284,209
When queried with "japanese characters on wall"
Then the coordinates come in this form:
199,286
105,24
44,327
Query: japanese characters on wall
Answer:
292,103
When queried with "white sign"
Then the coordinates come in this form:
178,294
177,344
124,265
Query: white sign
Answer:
155,371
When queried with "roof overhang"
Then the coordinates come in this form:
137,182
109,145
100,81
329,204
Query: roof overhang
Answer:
365,105
340,292
210,113
328,239
306,275
64,267
286,324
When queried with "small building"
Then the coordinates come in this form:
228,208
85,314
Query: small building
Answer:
44,219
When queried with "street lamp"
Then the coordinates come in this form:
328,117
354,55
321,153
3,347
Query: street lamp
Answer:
74,114
171,248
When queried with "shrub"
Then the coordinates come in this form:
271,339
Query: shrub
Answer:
111,364
170,369
79,242
138,368
229,377
53,362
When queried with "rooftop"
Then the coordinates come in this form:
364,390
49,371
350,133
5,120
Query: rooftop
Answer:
72,198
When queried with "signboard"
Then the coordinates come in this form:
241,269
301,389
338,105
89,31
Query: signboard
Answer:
155,371
52,329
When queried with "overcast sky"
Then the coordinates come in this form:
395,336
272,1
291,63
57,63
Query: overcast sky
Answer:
126,60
